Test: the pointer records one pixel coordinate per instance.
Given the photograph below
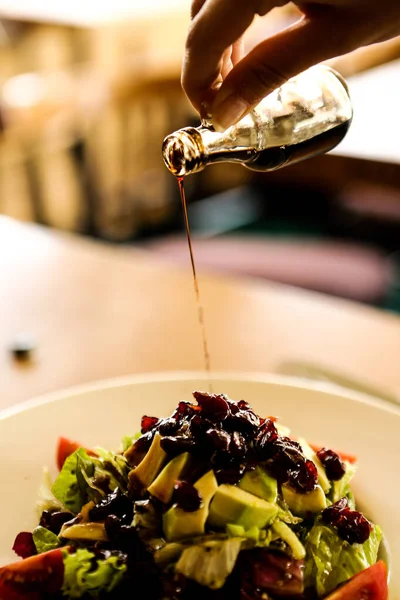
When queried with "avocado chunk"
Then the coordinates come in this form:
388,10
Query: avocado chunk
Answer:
142,476
309,453
94,532
301,504
234,505
162,487
260,484
179,524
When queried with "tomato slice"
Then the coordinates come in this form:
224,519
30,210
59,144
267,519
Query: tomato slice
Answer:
32,578
342,455
369,584
66,447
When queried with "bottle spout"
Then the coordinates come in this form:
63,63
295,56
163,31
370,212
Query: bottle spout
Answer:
183,152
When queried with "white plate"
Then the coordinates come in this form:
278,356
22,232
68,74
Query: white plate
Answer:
102,413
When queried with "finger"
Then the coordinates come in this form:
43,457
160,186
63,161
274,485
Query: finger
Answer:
218,25
237,51
275,60
197,5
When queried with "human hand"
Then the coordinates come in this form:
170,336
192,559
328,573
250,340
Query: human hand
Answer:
223,84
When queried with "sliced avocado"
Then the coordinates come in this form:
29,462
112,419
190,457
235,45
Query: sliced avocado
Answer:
301,504
311,455
94,532
238,531
233,505
259,483
162,487
179,524
287,535
147,470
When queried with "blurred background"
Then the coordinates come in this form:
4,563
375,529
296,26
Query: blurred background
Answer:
87,93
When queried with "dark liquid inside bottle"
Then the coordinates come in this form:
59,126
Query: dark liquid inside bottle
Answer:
271,159
276,157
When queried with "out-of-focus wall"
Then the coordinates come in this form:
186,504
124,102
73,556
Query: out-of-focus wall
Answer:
83,114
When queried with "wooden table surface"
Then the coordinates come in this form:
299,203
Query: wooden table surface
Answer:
97,311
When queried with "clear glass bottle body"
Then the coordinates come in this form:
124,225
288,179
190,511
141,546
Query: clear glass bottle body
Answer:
308,115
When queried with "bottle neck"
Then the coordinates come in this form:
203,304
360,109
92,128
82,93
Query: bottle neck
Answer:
191,149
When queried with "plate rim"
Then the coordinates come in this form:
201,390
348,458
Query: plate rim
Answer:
296,382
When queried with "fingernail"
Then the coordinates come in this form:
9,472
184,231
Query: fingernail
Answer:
228,112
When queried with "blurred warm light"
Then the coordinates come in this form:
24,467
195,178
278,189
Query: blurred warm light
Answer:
88,12
24,90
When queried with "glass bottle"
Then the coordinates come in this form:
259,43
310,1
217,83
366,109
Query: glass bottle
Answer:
308,115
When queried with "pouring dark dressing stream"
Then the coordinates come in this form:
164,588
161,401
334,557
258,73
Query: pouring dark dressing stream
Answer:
195,282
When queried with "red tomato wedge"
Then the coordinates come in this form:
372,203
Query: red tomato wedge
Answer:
67,447
370,584
342,455
32,578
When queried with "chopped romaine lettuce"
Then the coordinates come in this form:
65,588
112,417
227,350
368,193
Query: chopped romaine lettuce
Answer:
341,488
210,563
84,477
66,487
45,540
332,561
84,574
46,499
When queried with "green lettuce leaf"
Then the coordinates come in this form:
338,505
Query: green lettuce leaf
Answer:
341,488
332,561
44,539
66,487
85,478
46,499
83,574
210,563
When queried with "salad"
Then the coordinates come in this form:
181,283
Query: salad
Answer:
211,502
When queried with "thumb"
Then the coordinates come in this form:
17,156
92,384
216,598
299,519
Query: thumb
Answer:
277,59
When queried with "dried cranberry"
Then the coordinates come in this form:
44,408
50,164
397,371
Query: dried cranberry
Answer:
351,525
219,440
214,406
185,410
186,496
24,546
45,519
168,426
177,445
245,421
266,433
57,520
287,463
54,520
238,445
148,423
199,425
230,475
243,405
117,504
233,407
334,467
306,478
112,525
